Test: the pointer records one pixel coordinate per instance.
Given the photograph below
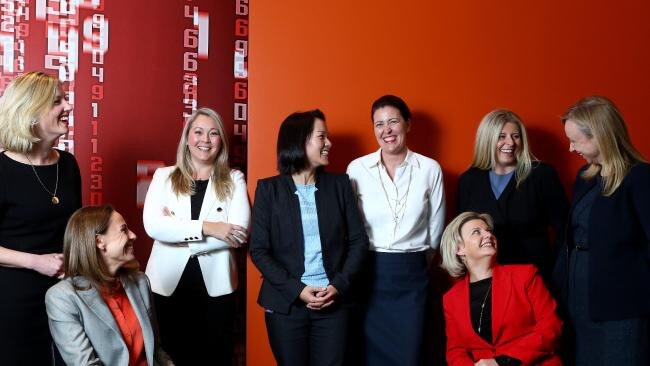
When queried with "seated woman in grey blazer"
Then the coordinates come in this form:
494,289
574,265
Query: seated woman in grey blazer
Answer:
101,313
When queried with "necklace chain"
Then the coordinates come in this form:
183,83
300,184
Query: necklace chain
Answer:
400,207
480,318
55,199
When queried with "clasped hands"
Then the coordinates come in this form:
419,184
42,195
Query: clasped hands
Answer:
318,298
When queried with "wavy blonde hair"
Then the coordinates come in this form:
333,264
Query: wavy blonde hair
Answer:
182,178
487,136
22,103
451,239
598,118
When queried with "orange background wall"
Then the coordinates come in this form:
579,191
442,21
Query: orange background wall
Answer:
452,62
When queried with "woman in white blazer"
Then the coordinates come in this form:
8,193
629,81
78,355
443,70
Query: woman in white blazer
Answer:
102,312
197,211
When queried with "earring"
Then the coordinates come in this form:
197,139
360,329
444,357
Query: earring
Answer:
33,121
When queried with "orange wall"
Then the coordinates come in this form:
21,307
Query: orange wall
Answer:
452,61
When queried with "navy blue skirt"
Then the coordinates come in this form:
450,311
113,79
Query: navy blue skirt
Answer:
395,308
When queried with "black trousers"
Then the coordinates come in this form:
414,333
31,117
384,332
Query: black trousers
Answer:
307,337
196,329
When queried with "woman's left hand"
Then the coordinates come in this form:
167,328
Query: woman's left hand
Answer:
327,296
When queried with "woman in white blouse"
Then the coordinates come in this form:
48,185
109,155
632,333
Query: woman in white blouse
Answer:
401,198
197,211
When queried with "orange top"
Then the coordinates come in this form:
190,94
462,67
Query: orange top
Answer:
120,306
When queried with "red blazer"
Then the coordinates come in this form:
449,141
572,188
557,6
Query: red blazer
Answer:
524,323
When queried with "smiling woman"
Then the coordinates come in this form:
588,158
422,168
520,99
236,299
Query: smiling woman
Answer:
318,146
204,140
401,196
391,128
603,270
41,188
197,212
116,244
512,314
523,195
102,312
581,143
309,244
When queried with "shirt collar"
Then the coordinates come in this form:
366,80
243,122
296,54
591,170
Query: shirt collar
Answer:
374,159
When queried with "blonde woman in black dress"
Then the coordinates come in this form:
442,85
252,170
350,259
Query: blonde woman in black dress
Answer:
40,187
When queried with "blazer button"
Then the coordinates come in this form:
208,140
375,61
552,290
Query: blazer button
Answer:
186,239
219,209
196,238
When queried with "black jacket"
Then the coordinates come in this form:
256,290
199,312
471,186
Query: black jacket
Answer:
522,215
277,244
619,248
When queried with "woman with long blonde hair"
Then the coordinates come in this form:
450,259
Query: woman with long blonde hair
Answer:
523,195
603,270
197,212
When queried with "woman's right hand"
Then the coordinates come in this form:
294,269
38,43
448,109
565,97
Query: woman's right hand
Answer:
232,234
50,264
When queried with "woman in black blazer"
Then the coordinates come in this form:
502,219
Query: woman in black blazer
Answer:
604,268
523,195
309,243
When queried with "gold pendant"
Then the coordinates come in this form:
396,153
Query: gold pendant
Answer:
55,200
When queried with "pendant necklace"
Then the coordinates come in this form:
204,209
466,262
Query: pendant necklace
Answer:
480,318
397,212
55,200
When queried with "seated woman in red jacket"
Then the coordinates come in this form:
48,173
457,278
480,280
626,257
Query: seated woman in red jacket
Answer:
495,314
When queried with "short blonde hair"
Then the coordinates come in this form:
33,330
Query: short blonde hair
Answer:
81,254
26,97
598,117
183,175
451,239
487,136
